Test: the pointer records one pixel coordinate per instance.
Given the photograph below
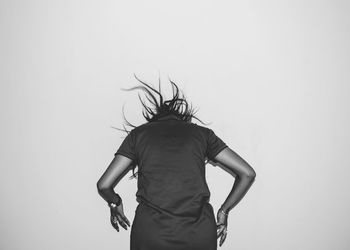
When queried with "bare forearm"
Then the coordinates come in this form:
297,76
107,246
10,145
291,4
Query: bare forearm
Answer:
239,189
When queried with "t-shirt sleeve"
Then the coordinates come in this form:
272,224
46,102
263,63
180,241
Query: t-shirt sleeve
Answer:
215,145
127,147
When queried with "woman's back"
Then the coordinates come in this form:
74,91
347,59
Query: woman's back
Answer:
174,210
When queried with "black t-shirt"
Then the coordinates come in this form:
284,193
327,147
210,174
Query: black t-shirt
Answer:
170,155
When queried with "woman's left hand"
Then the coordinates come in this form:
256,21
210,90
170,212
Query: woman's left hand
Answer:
118,216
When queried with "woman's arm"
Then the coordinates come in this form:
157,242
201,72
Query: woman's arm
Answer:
116,170
245,176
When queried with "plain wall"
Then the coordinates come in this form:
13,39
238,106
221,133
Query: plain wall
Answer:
272,77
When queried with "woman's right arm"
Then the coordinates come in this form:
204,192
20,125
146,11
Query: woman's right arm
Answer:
245,176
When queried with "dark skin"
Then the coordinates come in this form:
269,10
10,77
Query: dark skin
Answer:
116,170
244,175
227,159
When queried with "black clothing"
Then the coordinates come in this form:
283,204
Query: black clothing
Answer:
174,212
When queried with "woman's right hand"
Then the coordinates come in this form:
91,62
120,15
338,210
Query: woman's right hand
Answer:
117,215
221,226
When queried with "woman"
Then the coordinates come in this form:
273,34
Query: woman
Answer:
174,212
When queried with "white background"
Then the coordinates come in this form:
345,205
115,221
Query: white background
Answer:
272,77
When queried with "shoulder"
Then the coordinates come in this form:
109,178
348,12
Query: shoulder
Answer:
201,128
141,130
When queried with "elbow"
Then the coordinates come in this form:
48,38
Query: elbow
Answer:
249,175
104,187
100,187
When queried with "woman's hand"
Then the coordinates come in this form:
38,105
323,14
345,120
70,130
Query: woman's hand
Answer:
118,216
221,226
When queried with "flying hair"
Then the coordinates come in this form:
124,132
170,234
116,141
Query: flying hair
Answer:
178,106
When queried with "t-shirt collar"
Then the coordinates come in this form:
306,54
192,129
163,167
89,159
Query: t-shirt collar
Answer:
169,117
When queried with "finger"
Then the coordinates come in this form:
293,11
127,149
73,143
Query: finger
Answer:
126,220
123,217
121,222
223,237
221,230
220,227
114,221
115,225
